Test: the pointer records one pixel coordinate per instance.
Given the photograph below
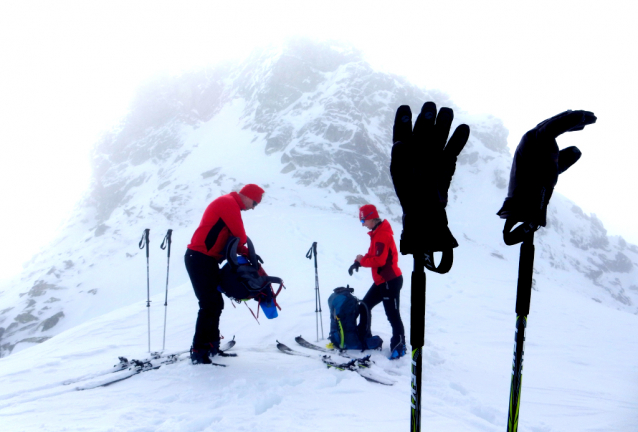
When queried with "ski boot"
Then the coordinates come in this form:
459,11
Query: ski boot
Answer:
200,356
398,351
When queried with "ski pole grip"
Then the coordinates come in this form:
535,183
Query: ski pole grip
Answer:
312,250
144,241
167,242
417,300
525,274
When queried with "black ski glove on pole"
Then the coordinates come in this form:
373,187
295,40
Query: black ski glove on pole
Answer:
537,164
354,266
422,167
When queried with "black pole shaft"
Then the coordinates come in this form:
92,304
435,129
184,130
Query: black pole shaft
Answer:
523,297
166,243
417,337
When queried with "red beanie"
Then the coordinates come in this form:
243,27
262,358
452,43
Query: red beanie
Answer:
253,192
368,212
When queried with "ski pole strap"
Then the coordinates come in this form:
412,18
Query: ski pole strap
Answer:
518,234
274,297
144,241
167,241
447,259
313,249
251,311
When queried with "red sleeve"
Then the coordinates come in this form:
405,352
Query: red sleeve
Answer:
379,255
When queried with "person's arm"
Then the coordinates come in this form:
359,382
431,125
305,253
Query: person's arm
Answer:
379,255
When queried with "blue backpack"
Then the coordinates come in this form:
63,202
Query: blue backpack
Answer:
344,311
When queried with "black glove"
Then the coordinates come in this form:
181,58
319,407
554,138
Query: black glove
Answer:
259,259
422,167
537,164
354,266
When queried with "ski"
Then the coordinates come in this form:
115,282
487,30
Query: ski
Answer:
129,368
125,363
363,361
359,365
304,343
136,368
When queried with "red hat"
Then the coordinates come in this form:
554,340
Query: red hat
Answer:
253,192
368,212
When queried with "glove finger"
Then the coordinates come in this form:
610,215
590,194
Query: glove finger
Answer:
588,118
442,129
457,141
567,121
402,129
424,122
567,157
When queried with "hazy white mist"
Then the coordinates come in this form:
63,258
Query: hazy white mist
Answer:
70,68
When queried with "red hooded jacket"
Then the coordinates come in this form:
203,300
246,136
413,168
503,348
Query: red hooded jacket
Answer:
382,256
221,220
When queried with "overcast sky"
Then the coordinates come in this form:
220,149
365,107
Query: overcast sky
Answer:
68,70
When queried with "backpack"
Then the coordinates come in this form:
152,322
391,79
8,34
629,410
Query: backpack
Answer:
344,311
243,278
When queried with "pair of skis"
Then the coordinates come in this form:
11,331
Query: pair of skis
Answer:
359,365
129,368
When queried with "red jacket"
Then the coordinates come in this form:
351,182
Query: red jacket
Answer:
221,220
382,256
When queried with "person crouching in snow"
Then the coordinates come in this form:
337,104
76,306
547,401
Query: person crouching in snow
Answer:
221,220
382,258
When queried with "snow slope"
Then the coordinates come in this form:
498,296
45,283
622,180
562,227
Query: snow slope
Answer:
578,371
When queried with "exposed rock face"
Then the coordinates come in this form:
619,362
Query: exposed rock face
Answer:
305,117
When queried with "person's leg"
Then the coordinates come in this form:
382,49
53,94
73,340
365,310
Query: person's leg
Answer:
204,275
373,297
391,304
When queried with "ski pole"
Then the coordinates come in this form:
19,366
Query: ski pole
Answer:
417,336
313,251
166,243
523,296
529,192
422,164
144,243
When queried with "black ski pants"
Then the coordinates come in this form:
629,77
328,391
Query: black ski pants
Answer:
388,293
203,271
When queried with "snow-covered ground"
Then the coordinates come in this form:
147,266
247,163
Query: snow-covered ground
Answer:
579,375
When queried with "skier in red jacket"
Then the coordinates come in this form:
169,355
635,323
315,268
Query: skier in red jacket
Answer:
382,258
221,220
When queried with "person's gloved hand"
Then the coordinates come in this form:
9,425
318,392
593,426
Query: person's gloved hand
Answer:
353,267
537,164
422,166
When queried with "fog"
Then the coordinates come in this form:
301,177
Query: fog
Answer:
69,70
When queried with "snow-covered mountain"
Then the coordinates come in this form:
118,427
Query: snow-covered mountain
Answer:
311,123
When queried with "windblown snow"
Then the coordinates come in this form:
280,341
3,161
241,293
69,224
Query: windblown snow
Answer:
311,124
